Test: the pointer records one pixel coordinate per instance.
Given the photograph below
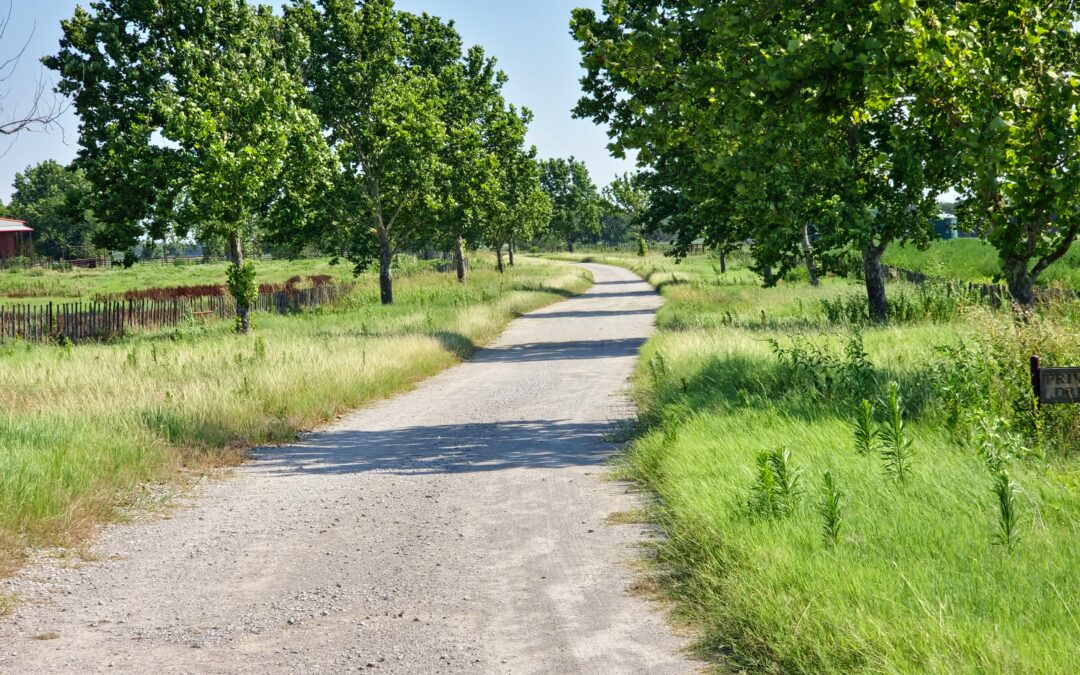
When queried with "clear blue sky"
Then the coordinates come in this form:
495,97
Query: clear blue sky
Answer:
529,37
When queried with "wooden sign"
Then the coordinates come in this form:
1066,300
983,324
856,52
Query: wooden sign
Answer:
1055,385
1059,385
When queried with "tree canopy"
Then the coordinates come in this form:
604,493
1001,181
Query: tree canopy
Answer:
815,131
575,202
53,200
191,114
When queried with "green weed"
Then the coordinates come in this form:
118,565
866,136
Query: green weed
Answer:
778,488
896,449
1006,492
831,510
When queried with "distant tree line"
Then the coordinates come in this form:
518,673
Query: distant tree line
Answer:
827,130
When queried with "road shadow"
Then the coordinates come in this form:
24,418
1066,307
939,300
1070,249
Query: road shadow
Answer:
560,351
440,449
620,294
586,314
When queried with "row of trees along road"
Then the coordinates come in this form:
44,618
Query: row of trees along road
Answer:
347,125
818,131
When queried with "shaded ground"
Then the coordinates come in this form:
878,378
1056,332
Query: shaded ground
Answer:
456,528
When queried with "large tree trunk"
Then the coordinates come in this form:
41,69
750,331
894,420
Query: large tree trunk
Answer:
723,261
875,283
808,256
243,309
1021,282
510,250
459,259
386,276
499,258
767,276
570,245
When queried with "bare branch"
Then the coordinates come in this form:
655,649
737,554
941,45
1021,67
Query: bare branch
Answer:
42,115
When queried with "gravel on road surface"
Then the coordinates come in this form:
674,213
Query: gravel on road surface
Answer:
457,528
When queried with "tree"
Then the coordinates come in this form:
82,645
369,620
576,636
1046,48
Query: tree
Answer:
53,201
524,209
473,117
785,105
190,113
575,202
623,203
1005,77
382,115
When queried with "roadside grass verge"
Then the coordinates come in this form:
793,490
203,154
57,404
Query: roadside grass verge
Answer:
822,559
82,427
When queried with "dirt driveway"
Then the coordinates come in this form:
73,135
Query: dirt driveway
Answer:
458,528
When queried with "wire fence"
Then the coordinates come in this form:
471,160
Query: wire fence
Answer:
83,321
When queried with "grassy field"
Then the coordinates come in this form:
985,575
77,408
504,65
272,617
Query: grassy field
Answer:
81,428
910,556
39,286
976,261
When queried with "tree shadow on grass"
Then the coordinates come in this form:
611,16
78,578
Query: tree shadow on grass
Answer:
439,449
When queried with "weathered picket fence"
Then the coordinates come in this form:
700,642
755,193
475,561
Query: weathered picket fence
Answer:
81,321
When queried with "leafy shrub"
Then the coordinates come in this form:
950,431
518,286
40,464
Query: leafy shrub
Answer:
821,371
866,436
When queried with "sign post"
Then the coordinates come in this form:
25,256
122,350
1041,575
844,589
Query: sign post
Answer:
1036,378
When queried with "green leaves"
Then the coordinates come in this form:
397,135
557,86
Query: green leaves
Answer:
896,446
192,116
778,489
574,199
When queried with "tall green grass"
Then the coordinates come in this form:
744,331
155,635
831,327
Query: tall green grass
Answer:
976,261
81,427
964,564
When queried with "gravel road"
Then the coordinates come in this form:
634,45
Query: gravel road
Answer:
458,528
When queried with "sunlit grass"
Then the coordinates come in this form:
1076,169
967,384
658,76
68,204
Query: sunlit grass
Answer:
917,580
81,427
976,261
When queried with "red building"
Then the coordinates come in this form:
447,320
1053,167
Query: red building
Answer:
16,239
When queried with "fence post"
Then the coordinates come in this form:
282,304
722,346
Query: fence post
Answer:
1036,379
52,326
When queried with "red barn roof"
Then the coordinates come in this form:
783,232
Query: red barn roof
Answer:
9,225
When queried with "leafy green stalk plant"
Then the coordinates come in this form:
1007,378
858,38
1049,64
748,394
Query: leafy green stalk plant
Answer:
831,510
1006,492
779,485
866,437
896,445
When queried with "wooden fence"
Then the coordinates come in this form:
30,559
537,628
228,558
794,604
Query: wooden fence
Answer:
81,321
